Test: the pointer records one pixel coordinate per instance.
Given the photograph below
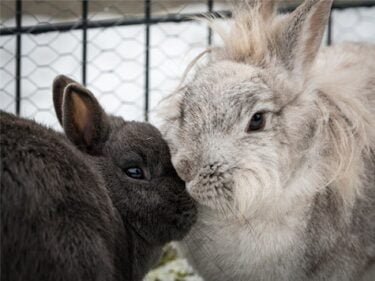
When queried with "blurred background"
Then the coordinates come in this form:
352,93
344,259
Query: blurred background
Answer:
129,53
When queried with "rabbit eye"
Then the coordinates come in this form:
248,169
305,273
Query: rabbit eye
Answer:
135,173
257,122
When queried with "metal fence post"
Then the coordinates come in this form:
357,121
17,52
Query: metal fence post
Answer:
85,4
329,29
147,12
18,55
210,4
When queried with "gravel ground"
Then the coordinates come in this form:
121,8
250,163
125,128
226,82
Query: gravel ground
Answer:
177,270
172,267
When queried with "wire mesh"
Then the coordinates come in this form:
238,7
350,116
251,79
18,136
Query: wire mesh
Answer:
129,53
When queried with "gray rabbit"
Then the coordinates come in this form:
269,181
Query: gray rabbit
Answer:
275,139
97,203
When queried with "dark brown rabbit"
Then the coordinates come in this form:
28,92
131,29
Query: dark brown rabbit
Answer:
97,203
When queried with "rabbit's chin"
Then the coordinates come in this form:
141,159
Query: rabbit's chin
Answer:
183,220
173,224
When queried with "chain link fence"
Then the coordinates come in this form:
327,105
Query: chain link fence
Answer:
129,53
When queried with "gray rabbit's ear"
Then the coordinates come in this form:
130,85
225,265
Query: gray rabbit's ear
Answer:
84,121
58,88
301,34
265,8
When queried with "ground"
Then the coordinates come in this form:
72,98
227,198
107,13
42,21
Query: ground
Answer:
172,267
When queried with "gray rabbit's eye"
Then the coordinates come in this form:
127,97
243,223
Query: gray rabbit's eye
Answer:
135,173
257,122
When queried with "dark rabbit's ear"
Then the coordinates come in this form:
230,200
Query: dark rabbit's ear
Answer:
58,88
84,121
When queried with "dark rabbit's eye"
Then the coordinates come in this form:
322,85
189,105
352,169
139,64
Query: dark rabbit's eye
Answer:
135,173
257,122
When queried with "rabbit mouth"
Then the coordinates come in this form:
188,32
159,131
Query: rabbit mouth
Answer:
185,216
183,224
213,187
213,191
172,225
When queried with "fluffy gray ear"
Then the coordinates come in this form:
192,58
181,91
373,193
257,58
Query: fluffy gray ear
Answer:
301,34
265,7
84,121
58,88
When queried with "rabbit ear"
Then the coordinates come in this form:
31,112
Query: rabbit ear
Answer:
84,121
301,34
265,8
58,87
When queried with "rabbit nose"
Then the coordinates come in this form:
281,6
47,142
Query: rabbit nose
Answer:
184,170
211,170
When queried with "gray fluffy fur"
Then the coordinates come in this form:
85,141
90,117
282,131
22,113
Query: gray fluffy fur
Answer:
295,200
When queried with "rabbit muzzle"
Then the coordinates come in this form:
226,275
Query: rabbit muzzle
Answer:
213,186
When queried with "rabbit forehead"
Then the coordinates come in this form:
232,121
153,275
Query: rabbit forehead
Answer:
225,72
137,139
226,81
224,85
